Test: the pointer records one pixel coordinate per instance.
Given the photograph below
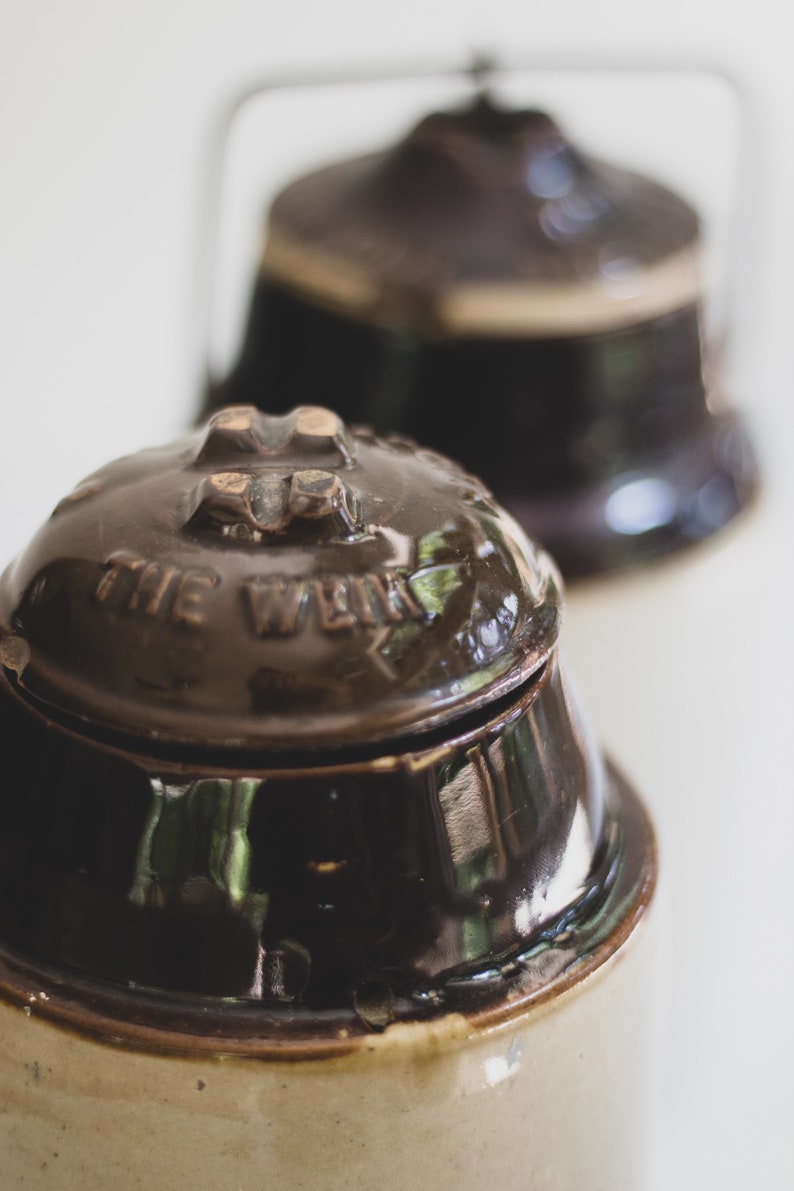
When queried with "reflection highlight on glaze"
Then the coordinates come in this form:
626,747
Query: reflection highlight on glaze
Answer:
500,1067
640,505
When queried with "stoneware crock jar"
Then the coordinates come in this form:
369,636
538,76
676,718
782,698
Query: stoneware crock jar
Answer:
487,287
310,876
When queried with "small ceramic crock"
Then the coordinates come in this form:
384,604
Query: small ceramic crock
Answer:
310,875
487,287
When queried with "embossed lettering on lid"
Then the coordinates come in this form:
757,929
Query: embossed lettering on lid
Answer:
272,581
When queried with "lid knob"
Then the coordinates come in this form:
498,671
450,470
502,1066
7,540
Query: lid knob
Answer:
270,509
242,430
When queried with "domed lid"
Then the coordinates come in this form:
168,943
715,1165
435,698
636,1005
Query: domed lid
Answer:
485,221
274,581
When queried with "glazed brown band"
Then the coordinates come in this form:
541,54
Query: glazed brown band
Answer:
191,1027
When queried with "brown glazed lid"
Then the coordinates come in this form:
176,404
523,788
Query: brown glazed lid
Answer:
273,582
485,221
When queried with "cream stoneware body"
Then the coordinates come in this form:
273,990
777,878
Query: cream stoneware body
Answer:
546,1101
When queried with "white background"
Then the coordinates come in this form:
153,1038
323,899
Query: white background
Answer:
109,116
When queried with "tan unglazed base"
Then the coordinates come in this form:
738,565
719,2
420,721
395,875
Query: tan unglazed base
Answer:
546,1100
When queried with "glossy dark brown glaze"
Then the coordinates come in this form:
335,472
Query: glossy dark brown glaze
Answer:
293,886
341,1003
274,581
